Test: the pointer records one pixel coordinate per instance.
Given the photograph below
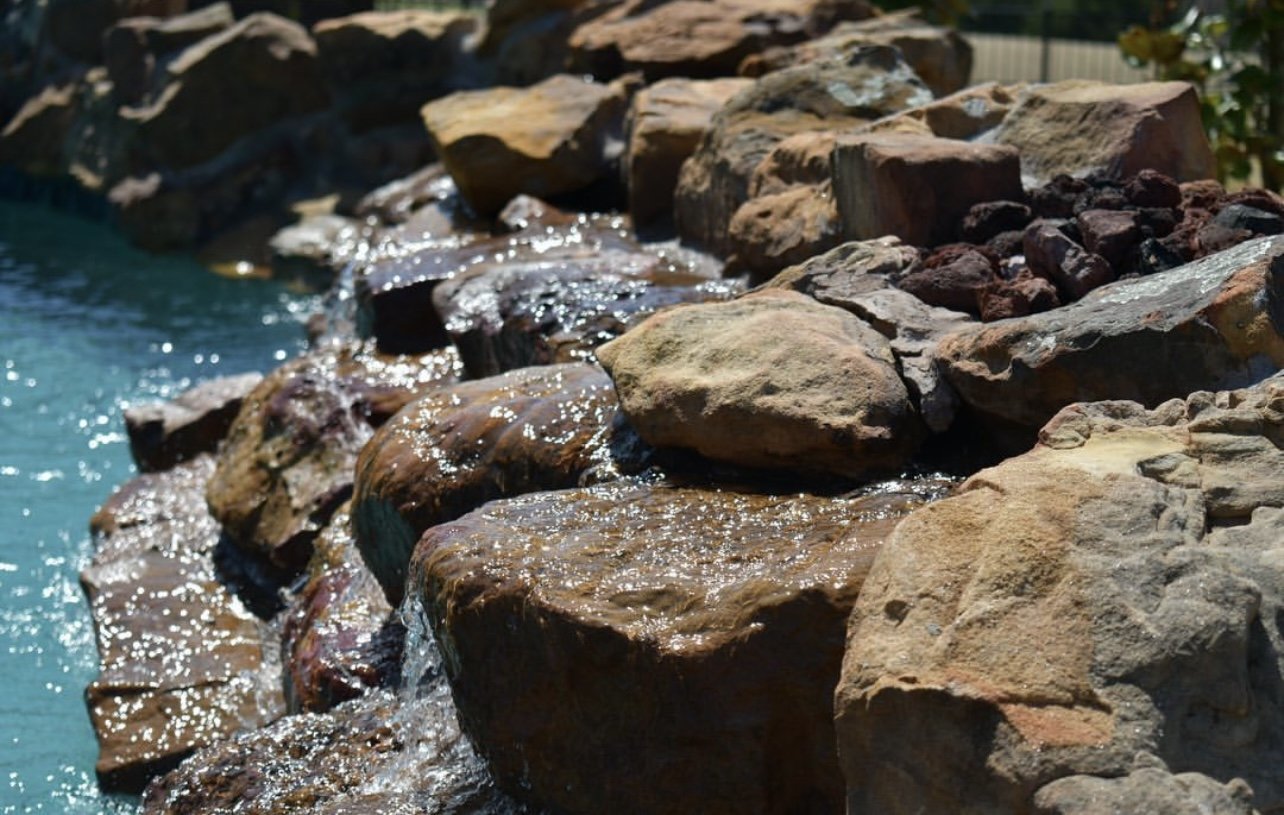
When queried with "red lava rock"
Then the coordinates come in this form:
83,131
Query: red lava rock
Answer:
1150,188
1025,294
1203,194
1109,233
952,277
1056,198
1006,244
985,221
1075,270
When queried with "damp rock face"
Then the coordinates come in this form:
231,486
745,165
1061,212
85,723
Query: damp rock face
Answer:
543,140
637,649
460,446
1078,127
1213,323
771,380
339,638
1106,603
503,316
183,663
162,434
287,463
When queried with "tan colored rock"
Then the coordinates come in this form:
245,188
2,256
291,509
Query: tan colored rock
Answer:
669,650
1209,324
1079,127
666,123
966,114
770,232
458,447
544,140
941,56
1107,602
831,94
917,188
772,380
288,461
691,38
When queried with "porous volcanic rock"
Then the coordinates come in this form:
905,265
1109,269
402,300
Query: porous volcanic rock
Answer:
1214,323
288,460
553,137
460,446
1109,600
340,637
183,663
771,380
1078,127
829,94
666,122
637,649
162,434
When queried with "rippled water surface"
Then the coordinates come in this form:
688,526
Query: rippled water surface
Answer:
88,326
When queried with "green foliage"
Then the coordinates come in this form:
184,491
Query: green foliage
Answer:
1236,60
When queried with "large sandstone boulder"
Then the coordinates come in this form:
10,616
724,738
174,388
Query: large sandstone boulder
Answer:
1214,323
288,460
236,83
771,380
967,114
917,187
183,662
162,434
1079,127
460,446
940,56
134,47
692,38
666,122
554,137
1106,603
829,94
639,649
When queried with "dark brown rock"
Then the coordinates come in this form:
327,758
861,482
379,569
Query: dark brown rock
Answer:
669,650
952,277
988,219
287,463
461,446
134,47
1022,295
1151,188
1112,234
163,434
1052,255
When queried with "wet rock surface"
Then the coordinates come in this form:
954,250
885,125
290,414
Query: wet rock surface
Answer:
771,380
183,663
463,445
696,631
1209,324
162,434
340,637
287,463
1133,551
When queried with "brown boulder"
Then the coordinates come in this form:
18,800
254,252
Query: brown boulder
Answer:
830,94
917,187
966,115
1106,602
162,434
666,123
770,232
288,460
639,649
544,140
771,380
461,446
1053,256
133,47
1079,127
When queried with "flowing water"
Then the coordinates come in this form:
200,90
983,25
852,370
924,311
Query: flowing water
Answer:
87,327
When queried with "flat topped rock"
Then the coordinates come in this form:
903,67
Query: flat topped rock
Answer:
633,648
162,434
1209,324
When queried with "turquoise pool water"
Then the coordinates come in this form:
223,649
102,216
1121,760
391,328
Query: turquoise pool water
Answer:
87,326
